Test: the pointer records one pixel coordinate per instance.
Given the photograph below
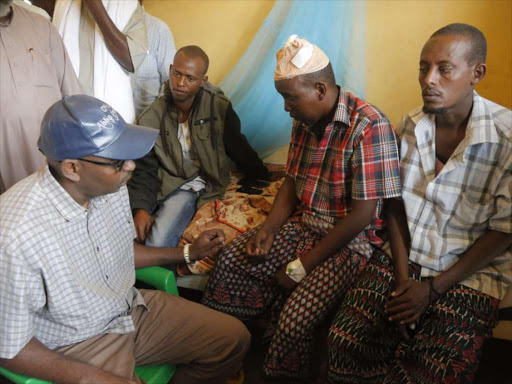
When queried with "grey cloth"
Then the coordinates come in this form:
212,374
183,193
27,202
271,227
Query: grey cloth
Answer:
149,79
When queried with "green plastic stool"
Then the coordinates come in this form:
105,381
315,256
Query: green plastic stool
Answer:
163,280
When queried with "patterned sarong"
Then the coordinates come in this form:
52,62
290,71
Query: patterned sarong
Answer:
246,289
364,347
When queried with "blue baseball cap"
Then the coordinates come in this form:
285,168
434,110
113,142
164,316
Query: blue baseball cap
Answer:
82,125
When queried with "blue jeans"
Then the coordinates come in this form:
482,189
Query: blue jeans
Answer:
172,216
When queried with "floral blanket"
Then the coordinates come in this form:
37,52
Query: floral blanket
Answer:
236,213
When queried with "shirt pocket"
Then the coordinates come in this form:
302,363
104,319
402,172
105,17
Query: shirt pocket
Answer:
42,70
203,131
203,128
472,210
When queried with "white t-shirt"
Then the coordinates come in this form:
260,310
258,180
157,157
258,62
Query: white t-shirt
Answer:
189,156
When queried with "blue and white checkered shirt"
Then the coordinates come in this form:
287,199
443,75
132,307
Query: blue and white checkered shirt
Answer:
66,272
148,81
471,195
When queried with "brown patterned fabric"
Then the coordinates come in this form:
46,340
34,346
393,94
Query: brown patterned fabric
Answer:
242,288
236,213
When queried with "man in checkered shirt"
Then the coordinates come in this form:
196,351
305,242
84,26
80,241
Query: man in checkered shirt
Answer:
68,309
326,219
423,316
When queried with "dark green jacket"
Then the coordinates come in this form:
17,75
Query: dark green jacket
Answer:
161,171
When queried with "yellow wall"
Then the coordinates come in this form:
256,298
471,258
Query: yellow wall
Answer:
223,28
396,33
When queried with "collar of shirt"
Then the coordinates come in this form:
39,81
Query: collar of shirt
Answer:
342,114
60,198
480,128
343,110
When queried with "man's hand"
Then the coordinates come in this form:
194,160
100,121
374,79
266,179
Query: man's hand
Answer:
115,40
259,244
100,376
38,361
408,302
284,280
209,243
143,222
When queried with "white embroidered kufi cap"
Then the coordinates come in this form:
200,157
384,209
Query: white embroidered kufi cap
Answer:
299,57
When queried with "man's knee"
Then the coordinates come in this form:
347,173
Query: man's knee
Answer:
244,338
222,355
180,205
225,355
296,321
237,336
349,325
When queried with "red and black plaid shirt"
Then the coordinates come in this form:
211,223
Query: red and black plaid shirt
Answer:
357,158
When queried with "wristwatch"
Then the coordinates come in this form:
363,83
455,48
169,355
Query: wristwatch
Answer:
186,253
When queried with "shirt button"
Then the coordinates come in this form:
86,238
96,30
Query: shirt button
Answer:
98,249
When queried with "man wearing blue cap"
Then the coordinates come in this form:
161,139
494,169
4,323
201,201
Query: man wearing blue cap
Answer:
68,308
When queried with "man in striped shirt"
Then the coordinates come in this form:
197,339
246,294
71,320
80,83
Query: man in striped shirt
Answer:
424,315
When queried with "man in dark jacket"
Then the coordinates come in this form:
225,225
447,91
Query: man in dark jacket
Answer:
188,166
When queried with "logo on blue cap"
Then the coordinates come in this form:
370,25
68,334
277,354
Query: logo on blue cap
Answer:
81,125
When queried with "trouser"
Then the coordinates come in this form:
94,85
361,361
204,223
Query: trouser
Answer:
172,216
364,347
246,289
207,345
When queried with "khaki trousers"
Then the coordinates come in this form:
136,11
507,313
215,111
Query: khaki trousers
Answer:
207,345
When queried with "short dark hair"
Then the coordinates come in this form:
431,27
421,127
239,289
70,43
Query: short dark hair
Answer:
478,52
194,51
325,75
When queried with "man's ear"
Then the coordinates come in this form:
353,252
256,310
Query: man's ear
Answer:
478,73
321,90
205,79
70,169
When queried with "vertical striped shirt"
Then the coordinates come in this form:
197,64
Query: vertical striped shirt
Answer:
66,272
471,195
148,81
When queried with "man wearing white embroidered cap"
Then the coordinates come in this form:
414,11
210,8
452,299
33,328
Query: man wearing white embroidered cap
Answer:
325,222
